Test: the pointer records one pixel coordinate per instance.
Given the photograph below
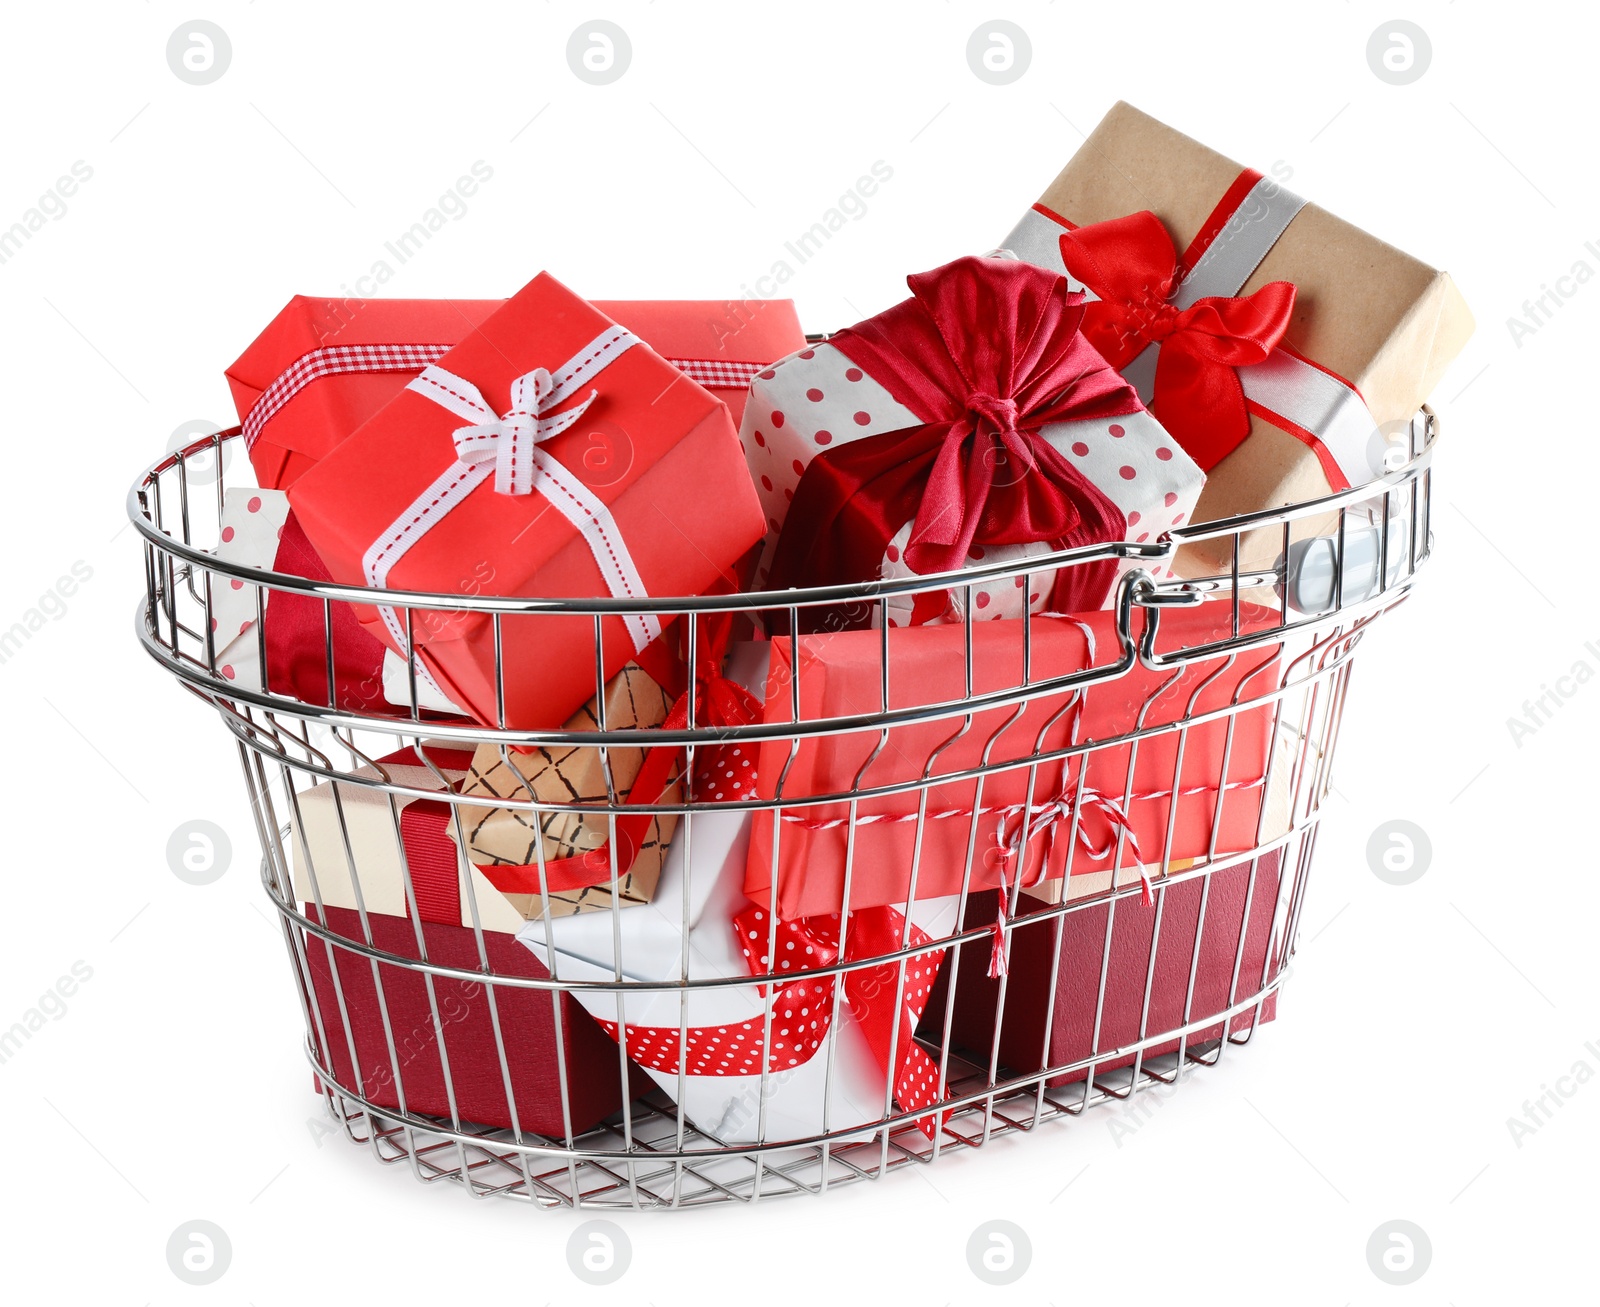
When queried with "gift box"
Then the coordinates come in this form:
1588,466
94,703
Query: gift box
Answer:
815,1081
323,367
971,422
345,855
452,1024
1280,344
372,870
478,478
346,863
1223,939
1020,822
251,524
513,836
259,530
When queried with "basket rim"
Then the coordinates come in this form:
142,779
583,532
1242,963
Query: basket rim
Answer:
1158,551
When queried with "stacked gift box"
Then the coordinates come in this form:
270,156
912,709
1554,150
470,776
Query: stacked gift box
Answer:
1164,338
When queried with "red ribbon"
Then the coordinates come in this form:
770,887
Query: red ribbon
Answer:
1130,263
984,353
802,1008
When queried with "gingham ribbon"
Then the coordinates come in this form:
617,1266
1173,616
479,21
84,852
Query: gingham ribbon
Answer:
331,360
506,446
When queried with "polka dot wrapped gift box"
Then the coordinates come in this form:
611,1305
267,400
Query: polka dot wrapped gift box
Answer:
970,423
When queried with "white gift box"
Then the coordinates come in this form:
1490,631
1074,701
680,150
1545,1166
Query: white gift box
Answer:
251,522
698,896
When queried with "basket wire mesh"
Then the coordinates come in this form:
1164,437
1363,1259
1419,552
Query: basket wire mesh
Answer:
386,1009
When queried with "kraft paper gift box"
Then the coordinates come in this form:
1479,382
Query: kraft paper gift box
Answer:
323,367
971,422
511,836
477,478
523,1021
1168,234
840,675
1237,927
723,1092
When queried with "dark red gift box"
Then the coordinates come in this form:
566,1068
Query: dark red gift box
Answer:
527,1025
1127,966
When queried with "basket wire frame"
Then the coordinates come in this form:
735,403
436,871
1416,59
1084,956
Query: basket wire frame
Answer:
649,1153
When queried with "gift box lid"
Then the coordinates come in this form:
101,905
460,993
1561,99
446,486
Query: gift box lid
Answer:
309,423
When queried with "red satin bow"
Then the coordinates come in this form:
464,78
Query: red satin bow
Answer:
1130,263
802,1009
984,353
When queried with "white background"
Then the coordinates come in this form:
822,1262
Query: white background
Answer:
1419,1019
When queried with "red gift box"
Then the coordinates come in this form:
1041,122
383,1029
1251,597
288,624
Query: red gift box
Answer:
1237,927
528,1030
323,367
840,675
529,1024
483,476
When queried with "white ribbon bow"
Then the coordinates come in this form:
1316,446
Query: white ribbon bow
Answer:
508,441
508,446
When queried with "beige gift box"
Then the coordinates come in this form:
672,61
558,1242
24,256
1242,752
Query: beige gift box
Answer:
350,840
1386,322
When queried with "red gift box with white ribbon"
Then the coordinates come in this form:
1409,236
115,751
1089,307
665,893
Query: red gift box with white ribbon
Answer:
553,454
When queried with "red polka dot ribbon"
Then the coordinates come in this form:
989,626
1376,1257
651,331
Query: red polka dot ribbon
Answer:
886,1001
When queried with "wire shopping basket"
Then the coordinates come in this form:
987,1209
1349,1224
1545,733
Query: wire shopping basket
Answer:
1097,831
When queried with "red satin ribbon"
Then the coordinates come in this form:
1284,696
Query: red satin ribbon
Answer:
802,1009
984,353
1130,263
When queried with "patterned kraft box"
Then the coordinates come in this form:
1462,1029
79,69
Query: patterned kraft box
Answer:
500,837
477,478
323,367
1363,313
